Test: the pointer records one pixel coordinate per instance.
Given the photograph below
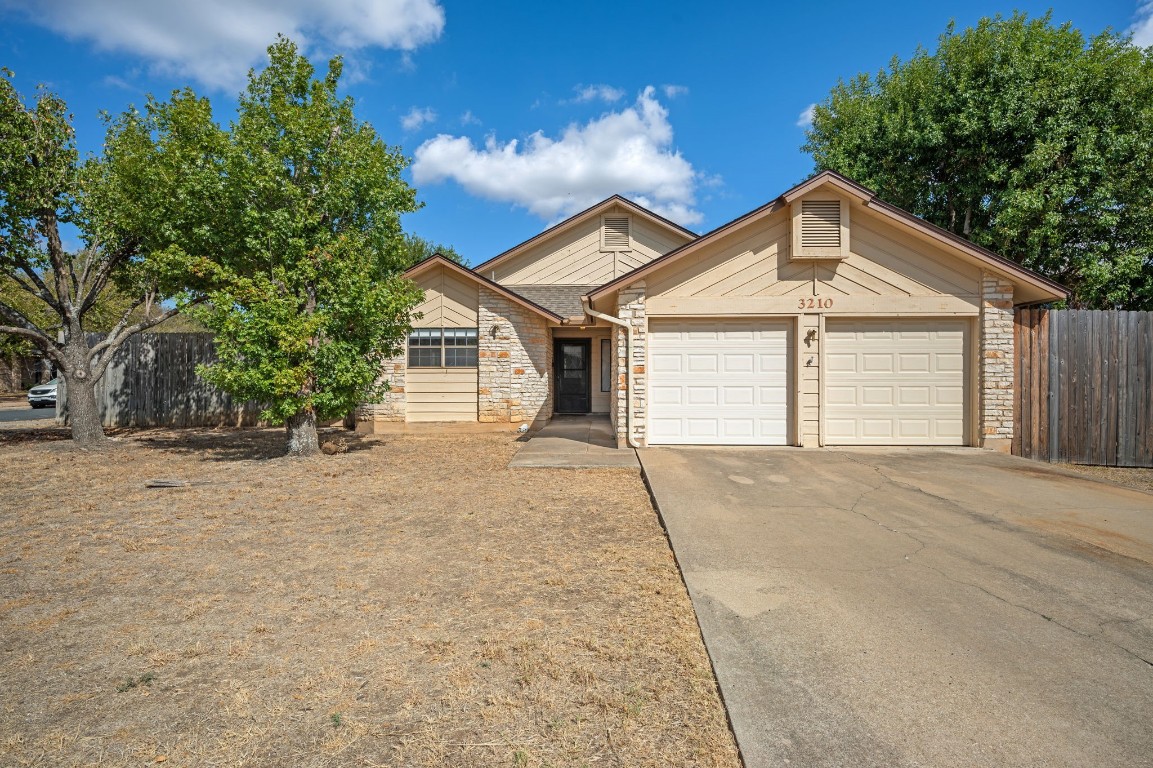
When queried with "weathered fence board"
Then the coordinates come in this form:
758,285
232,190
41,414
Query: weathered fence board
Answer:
1084,386
151,381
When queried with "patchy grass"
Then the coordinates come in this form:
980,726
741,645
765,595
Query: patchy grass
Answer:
411,602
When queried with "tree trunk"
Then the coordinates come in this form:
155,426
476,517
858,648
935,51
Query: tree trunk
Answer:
83,412
302,437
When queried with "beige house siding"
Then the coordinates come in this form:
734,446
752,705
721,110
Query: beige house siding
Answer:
441,394
808,365
883,263
574,256
450,301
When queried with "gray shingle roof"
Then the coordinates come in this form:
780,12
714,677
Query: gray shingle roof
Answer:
565,300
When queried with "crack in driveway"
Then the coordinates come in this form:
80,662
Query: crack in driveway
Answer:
886,479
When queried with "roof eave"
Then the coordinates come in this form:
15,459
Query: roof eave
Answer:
438,260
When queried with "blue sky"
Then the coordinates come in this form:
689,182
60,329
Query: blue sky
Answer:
519,114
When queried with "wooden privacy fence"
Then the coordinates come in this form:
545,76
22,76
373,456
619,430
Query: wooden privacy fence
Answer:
1084,387
151,381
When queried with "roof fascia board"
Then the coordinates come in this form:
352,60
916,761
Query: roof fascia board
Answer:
752,216
418,269
1007,268
829,178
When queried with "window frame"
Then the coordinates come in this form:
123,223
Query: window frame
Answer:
606,365
463,343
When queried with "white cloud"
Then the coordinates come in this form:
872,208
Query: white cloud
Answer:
1142,28
602,92
417,118
627,152
805,119
468,118
672,91
216,41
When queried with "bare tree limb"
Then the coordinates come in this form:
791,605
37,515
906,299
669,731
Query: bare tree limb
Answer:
42,291
25,328
121,324
89,258
51,230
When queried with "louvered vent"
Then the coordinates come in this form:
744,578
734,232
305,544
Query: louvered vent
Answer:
820,224
616,233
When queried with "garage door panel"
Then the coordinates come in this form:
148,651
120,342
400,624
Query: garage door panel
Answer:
731,382
737,396
913,363
895,381
701,396
666,363
836,362
876,363
702,363
876,396
739,363
947,362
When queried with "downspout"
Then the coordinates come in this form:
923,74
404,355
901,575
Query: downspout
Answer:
628,364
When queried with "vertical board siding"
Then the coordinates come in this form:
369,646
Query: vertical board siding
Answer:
1083,384
151,381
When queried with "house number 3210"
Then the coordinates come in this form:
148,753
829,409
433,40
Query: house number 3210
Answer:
814,303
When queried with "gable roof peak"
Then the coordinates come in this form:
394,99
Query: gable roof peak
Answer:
588,213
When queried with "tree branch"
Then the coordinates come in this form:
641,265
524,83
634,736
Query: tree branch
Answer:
42,292
51,229
89,257
25,328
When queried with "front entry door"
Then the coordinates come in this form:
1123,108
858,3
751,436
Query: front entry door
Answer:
571,359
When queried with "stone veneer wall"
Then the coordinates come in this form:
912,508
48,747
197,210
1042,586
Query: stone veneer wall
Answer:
996,361
632,310
393,403
515,363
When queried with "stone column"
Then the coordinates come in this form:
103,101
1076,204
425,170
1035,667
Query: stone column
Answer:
996,363
514,362
634,412
393,403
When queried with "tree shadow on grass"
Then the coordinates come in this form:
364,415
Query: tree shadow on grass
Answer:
241,443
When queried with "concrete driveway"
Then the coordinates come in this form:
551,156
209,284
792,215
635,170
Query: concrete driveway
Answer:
917,607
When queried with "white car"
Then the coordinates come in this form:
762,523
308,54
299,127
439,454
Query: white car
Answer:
43,395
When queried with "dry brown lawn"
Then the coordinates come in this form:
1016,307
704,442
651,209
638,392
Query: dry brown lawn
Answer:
411,602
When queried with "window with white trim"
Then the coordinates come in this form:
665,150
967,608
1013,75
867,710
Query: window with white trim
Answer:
442,348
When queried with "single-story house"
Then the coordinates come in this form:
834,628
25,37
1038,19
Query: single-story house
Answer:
824,317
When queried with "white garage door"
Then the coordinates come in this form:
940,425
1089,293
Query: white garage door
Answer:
718,382
895,382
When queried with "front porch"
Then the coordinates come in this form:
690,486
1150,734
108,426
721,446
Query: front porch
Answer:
575,442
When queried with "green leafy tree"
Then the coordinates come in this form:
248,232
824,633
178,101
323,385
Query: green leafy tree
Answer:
45,186
306,223
417,249
1020,136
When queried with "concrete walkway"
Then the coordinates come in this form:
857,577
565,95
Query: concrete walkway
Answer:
575,442
898,608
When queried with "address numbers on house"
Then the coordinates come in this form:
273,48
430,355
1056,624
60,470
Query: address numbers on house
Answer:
813,302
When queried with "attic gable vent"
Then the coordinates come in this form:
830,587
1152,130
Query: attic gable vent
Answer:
615,233
820,224
820,230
